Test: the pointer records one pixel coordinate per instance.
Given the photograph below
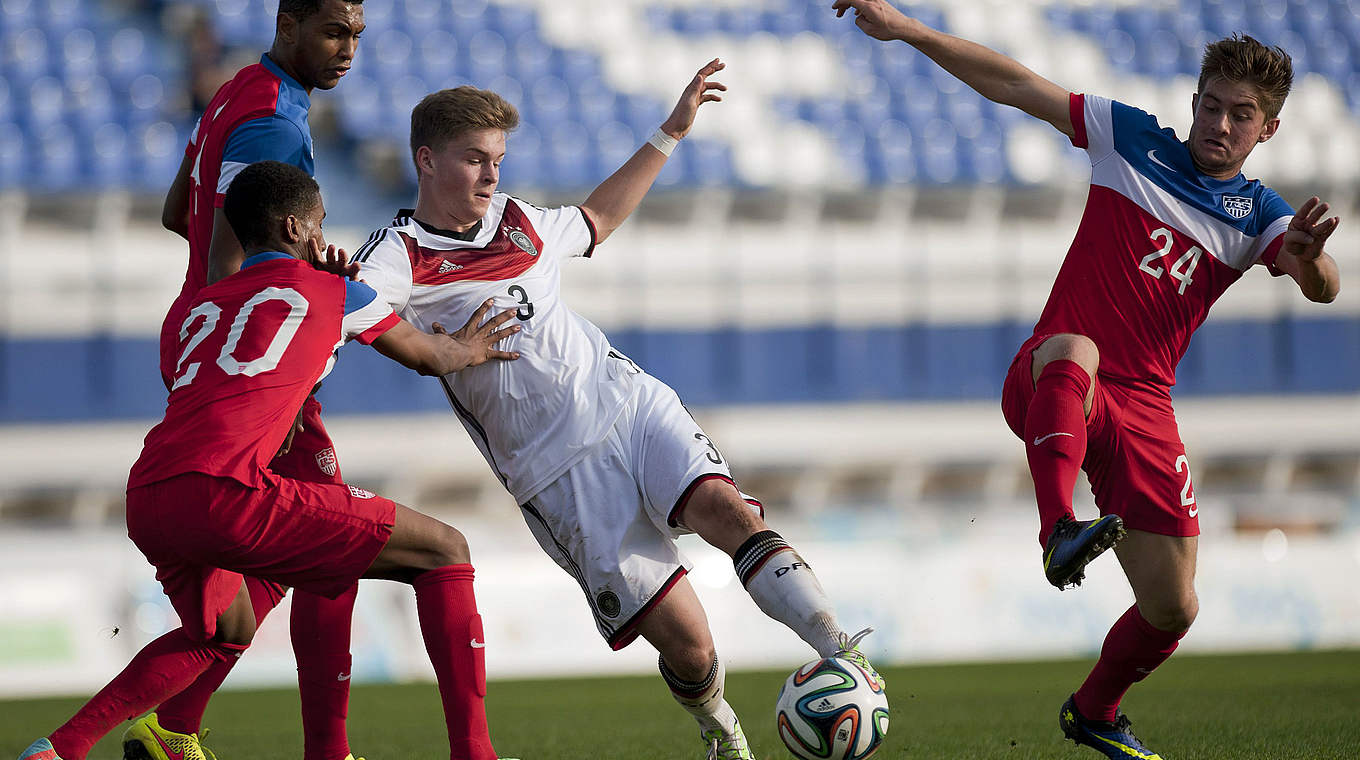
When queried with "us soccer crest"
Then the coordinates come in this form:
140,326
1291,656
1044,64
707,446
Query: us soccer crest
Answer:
325,459
521,240
1237,206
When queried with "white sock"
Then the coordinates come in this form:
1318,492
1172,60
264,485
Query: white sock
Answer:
785,588
704,698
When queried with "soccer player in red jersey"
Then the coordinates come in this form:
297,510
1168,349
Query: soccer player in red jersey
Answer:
261,114
219,525
1168,226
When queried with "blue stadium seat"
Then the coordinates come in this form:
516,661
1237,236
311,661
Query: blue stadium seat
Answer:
107,164
13,156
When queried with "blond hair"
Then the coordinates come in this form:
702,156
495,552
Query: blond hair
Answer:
444,115
1241,58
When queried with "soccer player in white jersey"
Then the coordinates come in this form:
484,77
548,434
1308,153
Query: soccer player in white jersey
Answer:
606,463
1168,226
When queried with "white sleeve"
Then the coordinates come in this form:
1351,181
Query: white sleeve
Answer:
385,265
1097,125
565,231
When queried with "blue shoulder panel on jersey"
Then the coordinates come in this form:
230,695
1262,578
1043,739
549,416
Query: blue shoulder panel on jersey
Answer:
358,295
1158,154
262,257
270,138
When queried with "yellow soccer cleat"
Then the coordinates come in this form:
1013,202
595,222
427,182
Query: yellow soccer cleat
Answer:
146,740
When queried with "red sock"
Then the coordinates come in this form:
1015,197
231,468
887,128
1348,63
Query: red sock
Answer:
183,712
163,667
1055,439
320,630
452,630
1133,649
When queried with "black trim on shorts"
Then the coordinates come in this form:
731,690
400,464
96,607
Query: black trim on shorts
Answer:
574,572
627,633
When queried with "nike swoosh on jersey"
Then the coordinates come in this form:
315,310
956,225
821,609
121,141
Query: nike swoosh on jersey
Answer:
477,644
1043,438
1152,156
1194,510
343,676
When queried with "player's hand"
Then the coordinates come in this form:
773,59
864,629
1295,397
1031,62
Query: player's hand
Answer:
336,261
877,18
477,337
292,431
698,92
1307,235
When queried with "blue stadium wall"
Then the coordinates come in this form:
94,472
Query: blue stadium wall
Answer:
109,378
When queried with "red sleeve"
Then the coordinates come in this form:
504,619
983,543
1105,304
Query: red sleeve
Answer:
1076,105
376,331
1272,252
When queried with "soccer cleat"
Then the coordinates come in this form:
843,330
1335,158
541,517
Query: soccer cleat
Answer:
728,745
1114,739
146,740
850,651
1074,543
40,750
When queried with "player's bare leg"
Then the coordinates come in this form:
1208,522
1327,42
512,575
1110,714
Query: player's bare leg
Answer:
678,628
434,558
1064,370
162,668
1161,570
778,579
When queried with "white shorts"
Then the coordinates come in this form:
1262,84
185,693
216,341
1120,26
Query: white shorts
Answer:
610,520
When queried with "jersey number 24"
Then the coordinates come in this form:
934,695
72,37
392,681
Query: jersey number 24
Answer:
1179,271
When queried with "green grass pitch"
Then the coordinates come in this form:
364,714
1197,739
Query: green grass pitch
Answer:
1270,706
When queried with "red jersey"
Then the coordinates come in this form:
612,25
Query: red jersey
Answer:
1157,245
261,114
250,350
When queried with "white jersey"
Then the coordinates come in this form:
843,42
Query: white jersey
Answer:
534,417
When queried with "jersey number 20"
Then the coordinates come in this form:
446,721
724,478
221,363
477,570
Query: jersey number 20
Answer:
212,313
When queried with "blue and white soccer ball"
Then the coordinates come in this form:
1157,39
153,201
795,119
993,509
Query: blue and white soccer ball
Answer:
831,710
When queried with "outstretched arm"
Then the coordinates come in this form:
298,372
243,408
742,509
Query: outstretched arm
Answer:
1301,255
442,353
617,196
996,77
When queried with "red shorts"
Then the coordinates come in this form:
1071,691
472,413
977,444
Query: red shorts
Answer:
1135,459
203,533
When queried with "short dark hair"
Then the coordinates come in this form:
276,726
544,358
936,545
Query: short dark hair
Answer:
445,115
264,193
1242,58
301,9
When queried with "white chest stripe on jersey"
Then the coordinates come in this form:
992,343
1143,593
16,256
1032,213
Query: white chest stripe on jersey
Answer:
1217,238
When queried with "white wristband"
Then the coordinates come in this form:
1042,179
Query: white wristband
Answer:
662,142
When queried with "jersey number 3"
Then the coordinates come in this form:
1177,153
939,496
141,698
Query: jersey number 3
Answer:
211,315
1181,270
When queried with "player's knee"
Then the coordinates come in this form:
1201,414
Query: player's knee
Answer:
450,547
1176,615
1070,347
233,628
691,662
720,516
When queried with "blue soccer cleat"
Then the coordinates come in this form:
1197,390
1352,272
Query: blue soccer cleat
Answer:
1074,543
1113,739
40,750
